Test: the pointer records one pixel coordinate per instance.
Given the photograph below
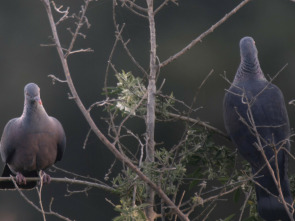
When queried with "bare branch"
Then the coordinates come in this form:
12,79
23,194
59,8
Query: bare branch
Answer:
64,13
81,21
135,12
201,123
133,5
92,124
66,180
165,2
210,211
72,192
245,203
86,139
54,78
151,108
119,36
201,85
36,207
47,45
39,192
81,51
78,175
204,34
110,59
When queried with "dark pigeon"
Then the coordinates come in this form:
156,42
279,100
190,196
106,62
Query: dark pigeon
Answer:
31,143
251,95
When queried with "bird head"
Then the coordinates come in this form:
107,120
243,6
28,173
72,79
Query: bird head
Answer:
32,94
248,49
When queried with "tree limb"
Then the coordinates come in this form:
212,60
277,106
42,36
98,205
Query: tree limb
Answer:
92,124
65,180
204,34
151,106
36,207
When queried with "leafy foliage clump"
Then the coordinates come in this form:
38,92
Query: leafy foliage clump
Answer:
130,96
128,213
195,160
211,161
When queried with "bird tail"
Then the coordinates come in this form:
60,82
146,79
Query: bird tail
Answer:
9,184
269,206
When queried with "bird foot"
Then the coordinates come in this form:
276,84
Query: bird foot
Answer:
20,179
45,177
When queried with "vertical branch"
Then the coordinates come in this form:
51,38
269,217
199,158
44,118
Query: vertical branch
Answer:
39,191
92,124
151,104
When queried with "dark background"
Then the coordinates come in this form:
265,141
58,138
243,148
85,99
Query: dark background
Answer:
24,26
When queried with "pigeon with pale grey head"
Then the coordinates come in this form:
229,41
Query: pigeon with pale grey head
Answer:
31,143
256,119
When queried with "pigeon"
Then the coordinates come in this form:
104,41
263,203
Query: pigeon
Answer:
31,143
256,119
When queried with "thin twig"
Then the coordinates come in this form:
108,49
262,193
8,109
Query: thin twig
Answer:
201,123
136,12
204,34
39,192
65,180
119,36
36,207
109,62
81,22
245,203
210,211
86,139
92,124
132,4
54,78
161,6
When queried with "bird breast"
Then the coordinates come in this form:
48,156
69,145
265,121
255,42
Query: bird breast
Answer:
35,151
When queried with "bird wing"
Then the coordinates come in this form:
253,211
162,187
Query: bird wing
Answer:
269,115
7,149
272,122
61,139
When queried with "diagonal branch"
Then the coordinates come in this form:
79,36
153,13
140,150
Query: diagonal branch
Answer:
200,123
92,124
204,34
36,207
120,37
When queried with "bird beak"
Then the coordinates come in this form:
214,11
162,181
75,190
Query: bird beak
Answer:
38,99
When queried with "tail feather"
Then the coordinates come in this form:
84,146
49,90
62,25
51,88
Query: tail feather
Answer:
9,184
269,206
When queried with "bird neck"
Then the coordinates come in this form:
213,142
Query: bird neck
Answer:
33,112
249,69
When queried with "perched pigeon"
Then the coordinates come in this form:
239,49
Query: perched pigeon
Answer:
32,142
253,104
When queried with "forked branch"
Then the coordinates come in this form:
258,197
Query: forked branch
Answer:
92,124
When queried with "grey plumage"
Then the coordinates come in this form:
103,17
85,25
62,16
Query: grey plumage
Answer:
252,103
32,142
